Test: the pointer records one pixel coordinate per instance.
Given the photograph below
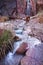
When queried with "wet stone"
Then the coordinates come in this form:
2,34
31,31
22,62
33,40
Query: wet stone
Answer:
22,49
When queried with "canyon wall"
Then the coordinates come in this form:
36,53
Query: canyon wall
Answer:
9,7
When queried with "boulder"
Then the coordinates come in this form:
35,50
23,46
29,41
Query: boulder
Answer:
29,61
22,49
31,52
34,56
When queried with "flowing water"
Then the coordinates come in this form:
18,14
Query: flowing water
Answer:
12,58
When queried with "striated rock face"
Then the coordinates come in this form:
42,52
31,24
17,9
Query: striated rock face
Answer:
22,49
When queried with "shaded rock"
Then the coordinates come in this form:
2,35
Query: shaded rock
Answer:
21,5
36,52
34,56
33,4
7,7
33,51
27,19
16,38
22,49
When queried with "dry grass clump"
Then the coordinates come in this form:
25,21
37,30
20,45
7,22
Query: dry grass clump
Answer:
38,16
41,19
4,18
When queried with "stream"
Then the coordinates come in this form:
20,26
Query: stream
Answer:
12,58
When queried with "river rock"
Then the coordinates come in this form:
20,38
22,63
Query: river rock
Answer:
22,49
34,56
36,52
29,61
31,52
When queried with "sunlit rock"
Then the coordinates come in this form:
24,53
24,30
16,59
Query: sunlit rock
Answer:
3,18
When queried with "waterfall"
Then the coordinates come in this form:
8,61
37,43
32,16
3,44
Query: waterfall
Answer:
29,8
